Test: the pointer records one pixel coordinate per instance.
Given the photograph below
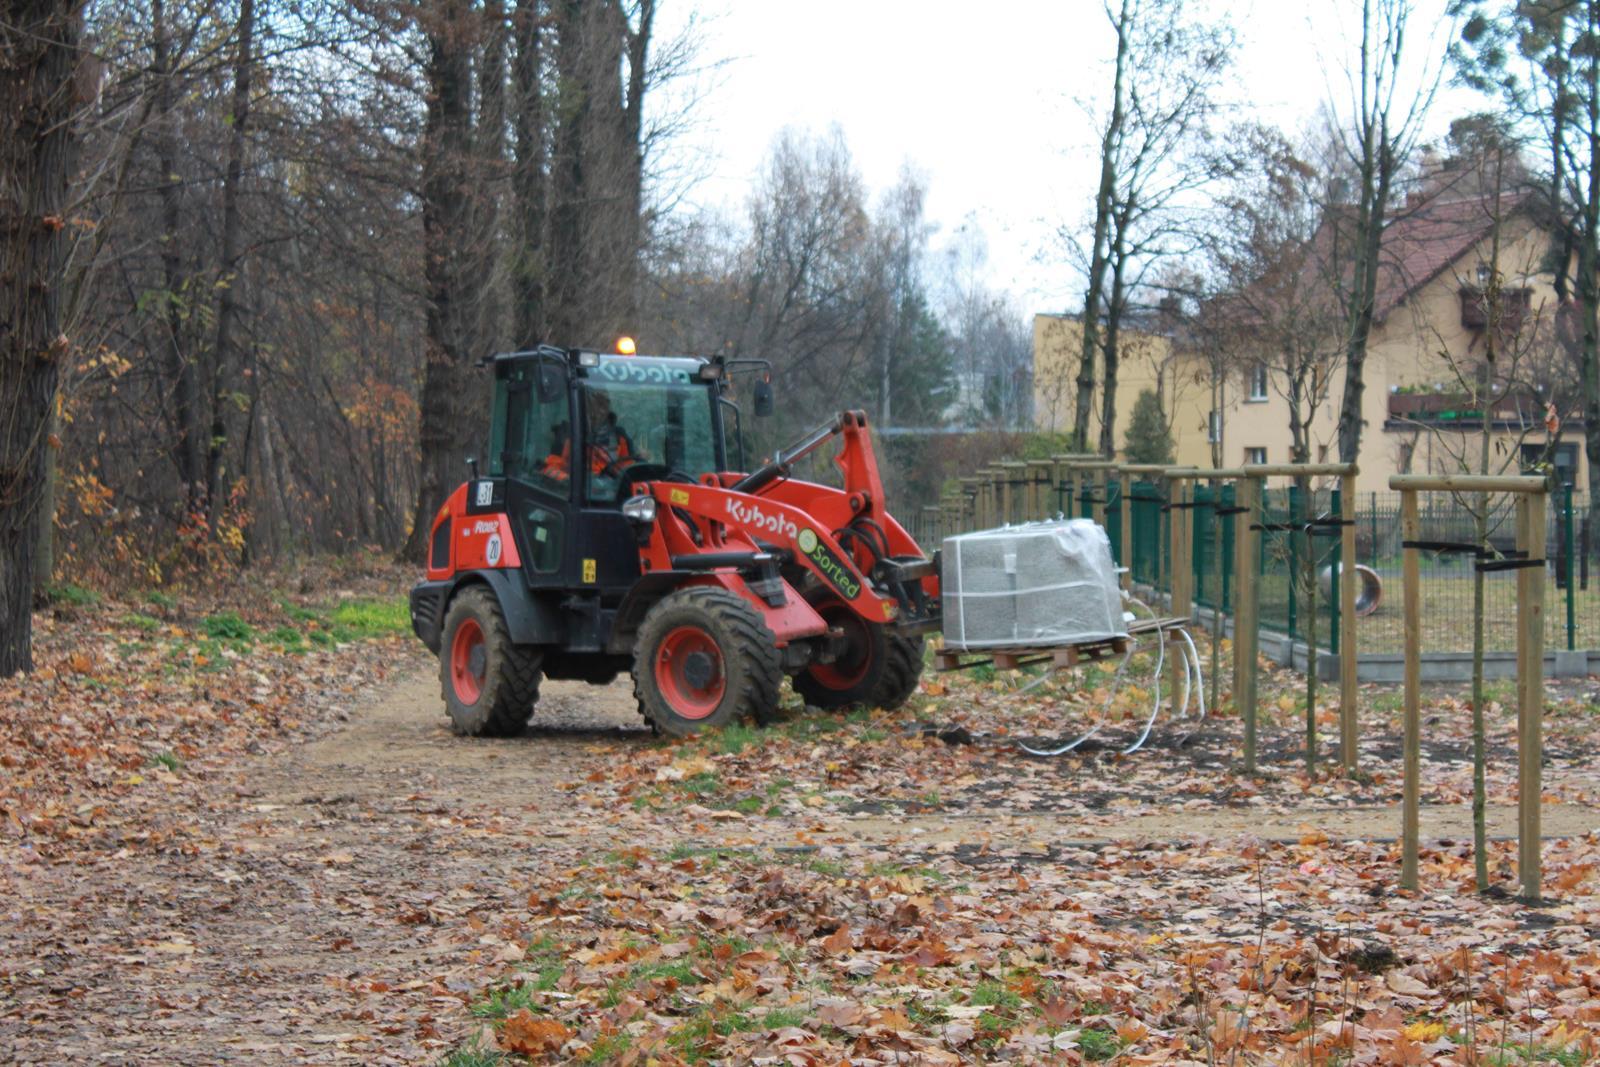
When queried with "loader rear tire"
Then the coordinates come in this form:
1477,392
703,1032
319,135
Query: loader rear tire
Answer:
490,685
705,658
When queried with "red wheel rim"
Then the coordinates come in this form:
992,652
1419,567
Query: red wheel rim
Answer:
689,672
467,656
851,669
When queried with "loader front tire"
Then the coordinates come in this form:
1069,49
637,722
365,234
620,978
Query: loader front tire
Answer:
705,658
878,669
490,685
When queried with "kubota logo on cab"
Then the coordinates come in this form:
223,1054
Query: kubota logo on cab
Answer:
751,515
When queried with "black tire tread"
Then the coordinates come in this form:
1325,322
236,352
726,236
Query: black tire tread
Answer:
752,645
513,687
902,670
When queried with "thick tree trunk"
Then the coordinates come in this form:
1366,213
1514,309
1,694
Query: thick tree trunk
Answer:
44,560
449,388
222,358
528,186
490,325
38,57
182,375
631,148
568,278
1588,284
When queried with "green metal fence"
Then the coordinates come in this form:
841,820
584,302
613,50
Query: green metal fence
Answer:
1289,603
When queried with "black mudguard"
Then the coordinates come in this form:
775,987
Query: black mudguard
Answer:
530,618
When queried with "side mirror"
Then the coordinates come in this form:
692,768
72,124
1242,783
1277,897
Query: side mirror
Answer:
552,382
763,398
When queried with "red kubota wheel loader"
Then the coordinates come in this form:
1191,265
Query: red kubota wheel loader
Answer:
610,534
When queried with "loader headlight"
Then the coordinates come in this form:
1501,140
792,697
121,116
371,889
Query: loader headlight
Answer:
640,510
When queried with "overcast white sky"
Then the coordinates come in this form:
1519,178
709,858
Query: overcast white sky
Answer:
982,100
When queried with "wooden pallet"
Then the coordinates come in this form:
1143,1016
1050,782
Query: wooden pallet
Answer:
1057,656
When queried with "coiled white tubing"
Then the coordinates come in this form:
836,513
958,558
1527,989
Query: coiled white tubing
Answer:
1193,684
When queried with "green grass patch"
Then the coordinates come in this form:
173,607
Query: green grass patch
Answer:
167,760
680,971
607,1048
288,638
990,994
373,618
228,626
1098,1045
735,738
704,784
506,1001
75,595
157,598
143,623
778,1018
474,1055
894,870
298,613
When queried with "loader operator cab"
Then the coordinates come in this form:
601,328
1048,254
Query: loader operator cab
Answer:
573,433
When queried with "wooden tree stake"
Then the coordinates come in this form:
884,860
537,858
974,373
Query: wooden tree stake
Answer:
1246,604
1349,724
1410,577
1530,696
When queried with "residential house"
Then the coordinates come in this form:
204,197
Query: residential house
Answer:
1430,333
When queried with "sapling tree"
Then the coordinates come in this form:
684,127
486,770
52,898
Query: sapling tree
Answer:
1498,380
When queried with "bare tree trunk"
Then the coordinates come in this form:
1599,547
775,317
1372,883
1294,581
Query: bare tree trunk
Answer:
1114,311
529,188
44,566
449,386
569,278
1377,164
1104,195
183,375
631,147
1588,287
38,147
228,279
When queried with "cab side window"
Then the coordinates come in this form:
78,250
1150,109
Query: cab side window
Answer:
531,438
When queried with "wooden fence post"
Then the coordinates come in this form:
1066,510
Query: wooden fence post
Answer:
1180,605
1246,602
1043,493
1349,724
1530,702
1410,577
1125,506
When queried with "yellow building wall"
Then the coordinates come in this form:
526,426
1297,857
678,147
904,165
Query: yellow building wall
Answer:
1406,349
1147,361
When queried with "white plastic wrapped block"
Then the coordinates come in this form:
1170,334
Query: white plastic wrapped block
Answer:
1045,583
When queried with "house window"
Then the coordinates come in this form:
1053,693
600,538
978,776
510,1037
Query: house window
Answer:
1564,458
1258,382
1214,427
1255,455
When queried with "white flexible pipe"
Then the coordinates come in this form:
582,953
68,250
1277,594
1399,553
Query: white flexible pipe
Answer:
1193,683
1116,683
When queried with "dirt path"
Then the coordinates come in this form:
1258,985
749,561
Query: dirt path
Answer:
340,898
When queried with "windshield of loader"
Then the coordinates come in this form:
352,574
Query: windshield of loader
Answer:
647,413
